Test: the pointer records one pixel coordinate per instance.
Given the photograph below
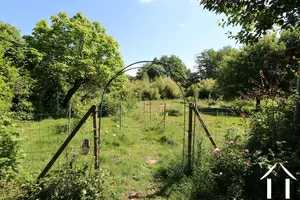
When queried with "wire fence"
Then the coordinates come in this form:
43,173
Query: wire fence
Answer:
40,139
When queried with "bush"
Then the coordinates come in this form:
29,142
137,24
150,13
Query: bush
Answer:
272,138
241,104
109,106
9,145
168,89
68,184
207,88
192,91
173,112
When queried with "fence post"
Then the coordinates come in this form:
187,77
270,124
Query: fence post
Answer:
120,116
190,135
96,138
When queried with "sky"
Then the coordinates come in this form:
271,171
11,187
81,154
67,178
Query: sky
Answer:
144,28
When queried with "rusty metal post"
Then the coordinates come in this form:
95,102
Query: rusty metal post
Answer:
67,141
189,169
96,138
204,127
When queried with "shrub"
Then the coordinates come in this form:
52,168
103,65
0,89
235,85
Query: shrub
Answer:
68,183
109,106
229,166
192,91
207,88
241,104
272,138
173,112
9,145
168,89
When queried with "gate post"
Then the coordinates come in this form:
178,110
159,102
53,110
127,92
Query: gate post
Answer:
189,169
96,138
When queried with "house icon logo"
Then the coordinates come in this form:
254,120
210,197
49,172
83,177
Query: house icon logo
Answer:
287,182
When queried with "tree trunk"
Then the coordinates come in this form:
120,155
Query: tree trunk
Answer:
71,92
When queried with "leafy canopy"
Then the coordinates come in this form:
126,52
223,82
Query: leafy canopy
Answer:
76,53
256,17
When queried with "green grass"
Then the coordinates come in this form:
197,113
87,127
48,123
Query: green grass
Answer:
126,154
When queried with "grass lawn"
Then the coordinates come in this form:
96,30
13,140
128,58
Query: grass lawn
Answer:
131,155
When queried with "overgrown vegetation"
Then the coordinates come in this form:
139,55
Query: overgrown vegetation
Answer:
65,64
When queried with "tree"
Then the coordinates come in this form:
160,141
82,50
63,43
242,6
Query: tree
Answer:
209,60
15,79
290,38
171,66
175,67
256,17
76,53
152,71
239,71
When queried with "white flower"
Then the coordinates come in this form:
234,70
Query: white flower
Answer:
114,135
106,131
220,173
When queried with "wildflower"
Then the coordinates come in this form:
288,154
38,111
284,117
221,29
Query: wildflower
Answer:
231,142
246,164
221,173
114,135
106,131
246,150
216,150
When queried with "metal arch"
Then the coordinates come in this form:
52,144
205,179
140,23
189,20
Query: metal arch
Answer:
127,68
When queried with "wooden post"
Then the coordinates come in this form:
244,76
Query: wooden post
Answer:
165,116
67,141
190,134
96,138
120,116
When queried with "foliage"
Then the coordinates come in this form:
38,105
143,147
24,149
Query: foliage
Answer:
209,60
9,145
229,167
111,103
153,71
76,53
15,81
109,107
207,88
68,184
171,66
175,67
173,112
290,38
168,89
255,17
239,71
162,87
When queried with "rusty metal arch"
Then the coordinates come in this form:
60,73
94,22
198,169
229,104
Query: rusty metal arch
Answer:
127,68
